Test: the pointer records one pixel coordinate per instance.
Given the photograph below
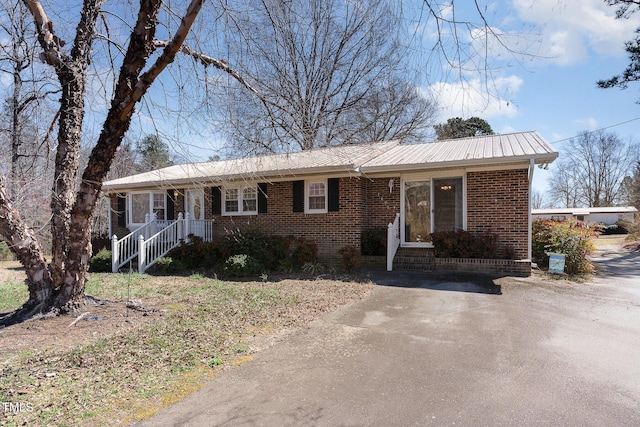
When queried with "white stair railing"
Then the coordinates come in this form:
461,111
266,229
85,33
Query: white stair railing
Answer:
202,228
393,241
125,249
161,243
155,238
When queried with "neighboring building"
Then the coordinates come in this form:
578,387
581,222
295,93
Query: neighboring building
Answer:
332,195
607,216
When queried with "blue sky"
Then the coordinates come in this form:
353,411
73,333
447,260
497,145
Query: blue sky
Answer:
566,46
547,83
555,93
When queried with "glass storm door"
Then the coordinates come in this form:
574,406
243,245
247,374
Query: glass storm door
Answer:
417,211
195,204
447,204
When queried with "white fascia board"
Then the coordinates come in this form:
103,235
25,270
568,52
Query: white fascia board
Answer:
471,164
268,176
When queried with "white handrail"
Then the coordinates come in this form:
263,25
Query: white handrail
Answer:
393,241
125,249
159,244
202,228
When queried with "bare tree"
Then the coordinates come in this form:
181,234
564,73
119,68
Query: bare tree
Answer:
29,88
60,288
333,69
537,200
593,171
563,189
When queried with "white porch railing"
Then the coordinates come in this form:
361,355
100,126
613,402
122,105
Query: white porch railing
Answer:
393,241
154,239
202,228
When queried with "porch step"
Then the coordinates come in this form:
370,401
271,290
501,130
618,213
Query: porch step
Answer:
414,259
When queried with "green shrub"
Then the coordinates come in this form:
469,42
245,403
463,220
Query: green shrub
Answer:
619,227
571,238
373,241
242,265
167,265
101,262
350,257
465,244
197,254
312,268
5,252
270,252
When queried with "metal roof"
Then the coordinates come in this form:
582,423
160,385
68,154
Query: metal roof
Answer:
365,158
344,158
480,150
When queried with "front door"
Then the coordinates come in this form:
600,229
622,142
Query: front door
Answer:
195,204
430,205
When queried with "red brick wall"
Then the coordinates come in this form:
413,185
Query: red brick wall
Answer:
498,201
330,230
381,206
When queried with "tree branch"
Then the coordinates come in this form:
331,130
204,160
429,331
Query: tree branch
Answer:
221,65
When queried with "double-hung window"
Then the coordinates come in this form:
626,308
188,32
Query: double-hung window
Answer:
316,197
240,201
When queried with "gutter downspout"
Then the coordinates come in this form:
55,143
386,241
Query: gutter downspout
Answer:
529,238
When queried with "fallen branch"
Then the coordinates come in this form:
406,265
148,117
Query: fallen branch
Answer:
82,316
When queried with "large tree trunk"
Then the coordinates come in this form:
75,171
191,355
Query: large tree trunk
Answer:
61,289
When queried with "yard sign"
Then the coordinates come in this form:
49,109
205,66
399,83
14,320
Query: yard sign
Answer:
556,263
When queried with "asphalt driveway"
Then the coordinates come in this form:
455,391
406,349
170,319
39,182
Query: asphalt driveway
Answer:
424,350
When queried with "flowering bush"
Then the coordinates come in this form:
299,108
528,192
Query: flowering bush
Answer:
572,238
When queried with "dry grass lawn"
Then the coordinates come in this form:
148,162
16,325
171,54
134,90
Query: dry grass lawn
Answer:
155,340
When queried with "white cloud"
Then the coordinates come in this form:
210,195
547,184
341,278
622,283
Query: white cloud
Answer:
589,123
473,98
569,29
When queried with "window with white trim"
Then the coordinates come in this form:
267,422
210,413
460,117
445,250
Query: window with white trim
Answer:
160,205
240,201
143,203
316,197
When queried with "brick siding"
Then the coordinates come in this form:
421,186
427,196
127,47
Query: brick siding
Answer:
498,201
330,230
